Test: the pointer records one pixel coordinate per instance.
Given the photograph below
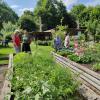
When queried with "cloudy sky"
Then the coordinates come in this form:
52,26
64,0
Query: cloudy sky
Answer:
21,5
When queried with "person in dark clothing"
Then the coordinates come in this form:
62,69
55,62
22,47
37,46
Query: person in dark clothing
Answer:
57,43
26,41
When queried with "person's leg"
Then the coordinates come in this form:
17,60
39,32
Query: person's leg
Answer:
23,47
16,49
28,49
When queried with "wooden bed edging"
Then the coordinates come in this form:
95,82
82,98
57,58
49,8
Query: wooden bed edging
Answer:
89,78
6,90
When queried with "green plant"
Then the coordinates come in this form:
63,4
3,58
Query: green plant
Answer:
96,67
97,37
85,59
64,53
37,76
44,43
74,57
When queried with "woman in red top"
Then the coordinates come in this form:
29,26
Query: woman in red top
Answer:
16,41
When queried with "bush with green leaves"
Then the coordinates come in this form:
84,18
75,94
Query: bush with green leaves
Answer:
37,77
74,57
8,29
64,53
96,67
86,58
60,31
44,43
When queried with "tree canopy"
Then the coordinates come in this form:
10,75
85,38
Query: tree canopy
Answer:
26,21
6,14
85,14
51,13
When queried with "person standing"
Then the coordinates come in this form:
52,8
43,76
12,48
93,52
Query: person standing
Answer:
16,41
26,41
57,43
67,41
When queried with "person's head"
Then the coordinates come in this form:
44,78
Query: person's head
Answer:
25,32
16,32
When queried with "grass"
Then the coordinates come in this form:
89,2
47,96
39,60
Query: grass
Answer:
4,62
5,51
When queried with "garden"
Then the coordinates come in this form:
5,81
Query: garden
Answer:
38,74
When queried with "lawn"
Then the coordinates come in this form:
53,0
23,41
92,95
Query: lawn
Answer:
4,52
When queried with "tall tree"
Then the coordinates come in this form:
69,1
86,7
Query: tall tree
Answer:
26,21
51,12
6,14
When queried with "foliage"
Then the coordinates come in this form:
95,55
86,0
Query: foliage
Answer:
8,28
37,76
86,58
65,53
96,67
26,22
92,28
7,14
74,57
60,30
44,43
51,13
85,14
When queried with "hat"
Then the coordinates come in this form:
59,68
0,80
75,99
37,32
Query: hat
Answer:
16,31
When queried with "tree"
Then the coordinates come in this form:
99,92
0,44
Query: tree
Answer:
77,10
85,14
8,28
26,21
6,14
92,28
50,13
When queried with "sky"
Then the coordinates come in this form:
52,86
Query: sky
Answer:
19,6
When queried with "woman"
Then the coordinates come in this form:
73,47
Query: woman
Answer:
26,42
16,41
67,41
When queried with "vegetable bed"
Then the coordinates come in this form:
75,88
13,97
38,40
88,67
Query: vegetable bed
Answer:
90,58
38,77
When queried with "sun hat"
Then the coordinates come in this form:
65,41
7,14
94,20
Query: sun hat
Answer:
16,31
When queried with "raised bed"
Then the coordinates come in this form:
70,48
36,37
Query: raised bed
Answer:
89,78
6,90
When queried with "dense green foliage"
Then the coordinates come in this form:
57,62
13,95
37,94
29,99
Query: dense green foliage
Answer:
85,58
8,29
51,12
85,14
26,21
37,76
6,14
91,55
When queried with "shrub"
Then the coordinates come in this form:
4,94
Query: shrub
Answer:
96,67
74,57
86,59
64,53
97,37
44,43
